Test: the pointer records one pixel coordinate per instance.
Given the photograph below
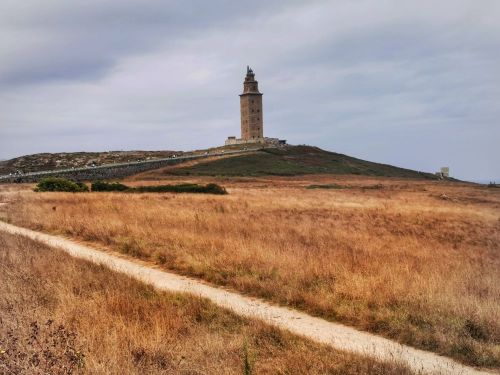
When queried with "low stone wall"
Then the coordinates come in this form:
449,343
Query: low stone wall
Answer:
263,141
106,172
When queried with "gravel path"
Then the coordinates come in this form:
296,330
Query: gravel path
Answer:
335,335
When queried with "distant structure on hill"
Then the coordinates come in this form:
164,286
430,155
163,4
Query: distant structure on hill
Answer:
444,173
252,116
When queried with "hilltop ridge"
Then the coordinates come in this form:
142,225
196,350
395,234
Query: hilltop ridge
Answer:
278,161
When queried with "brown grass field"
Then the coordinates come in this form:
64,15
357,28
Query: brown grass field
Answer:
59,315
415,261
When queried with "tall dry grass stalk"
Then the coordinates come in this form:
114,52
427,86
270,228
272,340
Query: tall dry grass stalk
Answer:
60,315
417,262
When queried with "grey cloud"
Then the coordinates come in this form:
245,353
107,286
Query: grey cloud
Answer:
61,40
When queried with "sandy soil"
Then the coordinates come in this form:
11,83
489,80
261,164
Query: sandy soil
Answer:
335,335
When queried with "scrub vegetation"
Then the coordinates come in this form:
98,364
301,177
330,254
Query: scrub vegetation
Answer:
57,184
60,184
292,161
175,188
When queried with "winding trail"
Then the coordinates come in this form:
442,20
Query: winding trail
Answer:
335,335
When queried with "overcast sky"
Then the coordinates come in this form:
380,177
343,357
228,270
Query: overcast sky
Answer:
410,83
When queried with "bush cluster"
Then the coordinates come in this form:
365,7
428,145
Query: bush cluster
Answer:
183,188
60,184
179,188
108,186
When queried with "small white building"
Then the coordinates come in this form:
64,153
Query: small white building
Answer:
444,173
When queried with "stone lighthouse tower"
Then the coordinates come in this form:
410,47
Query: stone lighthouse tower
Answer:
252,128
252,124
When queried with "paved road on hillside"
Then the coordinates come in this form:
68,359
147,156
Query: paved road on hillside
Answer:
335,335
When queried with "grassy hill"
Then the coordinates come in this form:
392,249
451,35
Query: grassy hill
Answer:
294,160
286,161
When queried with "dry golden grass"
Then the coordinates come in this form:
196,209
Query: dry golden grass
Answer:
414,261
60,315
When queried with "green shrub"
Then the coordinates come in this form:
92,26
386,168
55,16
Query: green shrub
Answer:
108,186
180,188
183,188
83,187
215,189
60,184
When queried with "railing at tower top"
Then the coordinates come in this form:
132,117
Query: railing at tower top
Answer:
139,162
